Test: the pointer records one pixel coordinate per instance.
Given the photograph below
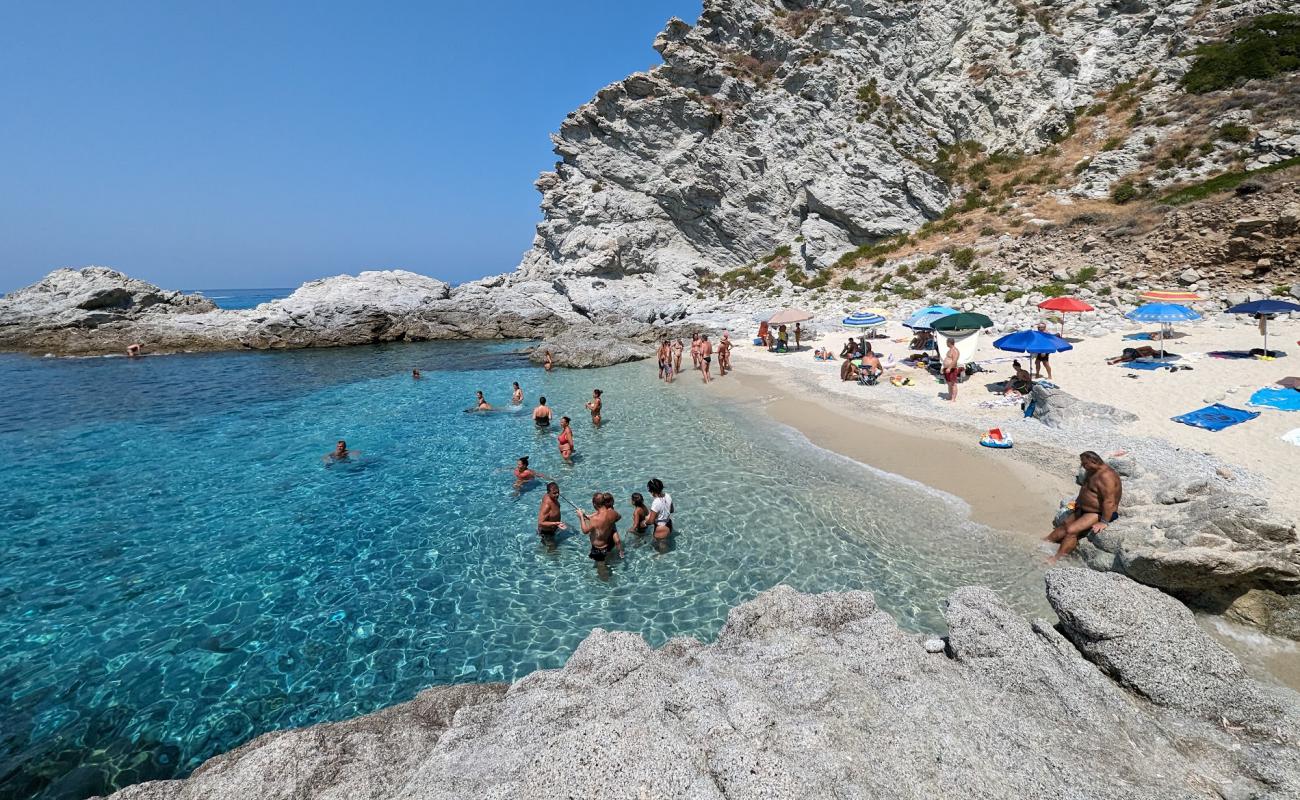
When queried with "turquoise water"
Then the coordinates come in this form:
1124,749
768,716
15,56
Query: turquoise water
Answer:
241,298
182,573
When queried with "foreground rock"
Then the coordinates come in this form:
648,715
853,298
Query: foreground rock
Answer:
1217,550
1060,409
816,696
95,311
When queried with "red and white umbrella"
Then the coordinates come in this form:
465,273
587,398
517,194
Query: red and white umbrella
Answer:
1170,297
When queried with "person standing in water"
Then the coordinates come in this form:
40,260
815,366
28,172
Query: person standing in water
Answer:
600,528
639,513
594,406
661,509
678,347
706,356
724,354
547,361
541,414
548,516
565,440
517,396
415,374
481,403
524,473
695,350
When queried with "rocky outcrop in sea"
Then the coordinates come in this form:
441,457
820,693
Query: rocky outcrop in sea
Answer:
816,696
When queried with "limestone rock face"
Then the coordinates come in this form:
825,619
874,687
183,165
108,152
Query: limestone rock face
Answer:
815,125
96,310
815,696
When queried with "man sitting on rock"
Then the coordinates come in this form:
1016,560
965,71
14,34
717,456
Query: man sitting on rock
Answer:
1096,506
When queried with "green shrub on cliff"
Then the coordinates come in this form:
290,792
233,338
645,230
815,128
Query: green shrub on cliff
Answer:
1263,47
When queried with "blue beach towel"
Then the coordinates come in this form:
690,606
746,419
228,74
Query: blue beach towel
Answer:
1144,365
1283,399
1216,417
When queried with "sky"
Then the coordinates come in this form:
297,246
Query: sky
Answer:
243,144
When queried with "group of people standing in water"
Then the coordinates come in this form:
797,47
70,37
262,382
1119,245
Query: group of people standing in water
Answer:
702,351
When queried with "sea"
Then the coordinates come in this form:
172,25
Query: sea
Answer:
182,571
233,299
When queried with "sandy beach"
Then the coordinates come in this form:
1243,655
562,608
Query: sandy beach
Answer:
851,419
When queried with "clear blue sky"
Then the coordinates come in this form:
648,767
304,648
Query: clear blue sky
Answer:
259,144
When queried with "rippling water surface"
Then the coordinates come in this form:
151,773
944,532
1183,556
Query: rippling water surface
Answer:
181,572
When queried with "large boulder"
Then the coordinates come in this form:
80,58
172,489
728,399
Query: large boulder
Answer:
1059,409
815,696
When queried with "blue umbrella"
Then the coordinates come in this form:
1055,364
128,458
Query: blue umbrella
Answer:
1263,309
1162,312
863,319
923,319
1034,342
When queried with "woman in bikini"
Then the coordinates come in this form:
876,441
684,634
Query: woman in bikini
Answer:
565,439
517,396
639,513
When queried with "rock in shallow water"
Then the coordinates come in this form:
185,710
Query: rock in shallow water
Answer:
815,696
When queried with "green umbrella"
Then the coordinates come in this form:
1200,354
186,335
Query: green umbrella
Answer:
962,322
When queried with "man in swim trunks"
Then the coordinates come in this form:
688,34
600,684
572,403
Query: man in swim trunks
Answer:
1096,506
340,453
871,364
542,414
1041,361
594,406
481,403
599,527
952,370
706,356
548,516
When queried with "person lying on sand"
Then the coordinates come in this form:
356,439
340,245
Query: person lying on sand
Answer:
1133,354
1096,506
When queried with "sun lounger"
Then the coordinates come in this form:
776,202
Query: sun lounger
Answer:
1216,417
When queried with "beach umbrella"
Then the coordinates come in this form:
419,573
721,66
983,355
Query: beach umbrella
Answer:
1065,305
863,319
923,319
1164,313
789,316
1263,310
1032,342
1170,297
962,322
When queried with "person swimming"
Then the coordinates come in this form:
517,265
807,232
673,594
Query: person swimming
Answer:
517,396
565,439
415,374
481,403
340,453
542,414
524,473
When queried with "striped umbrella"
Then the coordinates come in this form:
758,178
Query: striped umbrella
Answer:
863,319
1170,297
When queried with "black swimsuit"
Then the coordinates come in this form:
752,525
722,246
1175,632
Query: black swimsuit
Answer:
598,553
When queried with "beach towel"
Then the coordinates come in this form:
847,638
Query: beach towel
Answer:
1145,365
1292,437
1230,354
1216,417
1282,399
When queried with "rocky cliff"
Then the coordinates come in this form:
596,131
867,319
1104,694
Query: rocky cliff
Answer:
817,696
808,127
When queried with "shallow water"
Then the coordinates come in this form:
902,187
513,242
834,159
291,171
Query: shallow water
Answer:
183,573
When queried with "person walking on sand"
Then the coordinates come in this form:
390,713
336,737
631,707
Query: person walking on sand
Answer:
516,396
1041,360
599,526
1094,509
548,516
706,357
678,347
724,354
547,361
951,369
541,414
661,509
594,405
565,440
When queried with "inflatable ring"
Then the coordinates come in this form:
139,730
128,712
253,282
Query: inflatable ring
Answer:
996,444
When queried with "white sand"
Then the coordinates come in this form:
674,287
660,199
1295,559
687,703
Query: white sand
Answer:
1260,461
